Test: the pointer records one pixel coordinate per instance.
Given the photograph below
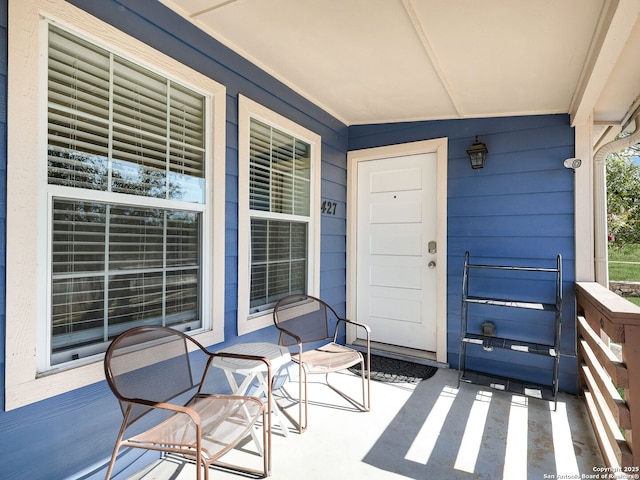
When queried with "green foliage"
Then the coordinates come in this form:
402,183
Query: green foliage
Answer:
623,197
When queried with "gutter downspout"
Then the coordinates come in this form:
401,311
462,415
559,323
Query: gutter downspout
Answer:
600,199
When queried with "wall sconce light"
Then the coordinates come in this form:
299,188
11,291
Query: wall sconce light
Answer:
477,153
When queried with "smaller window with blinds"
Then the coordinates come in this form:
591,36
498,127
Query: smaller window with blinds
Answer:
126,178
279,194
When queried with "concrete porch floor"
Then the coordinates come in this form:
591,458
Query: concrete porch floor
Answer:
424,431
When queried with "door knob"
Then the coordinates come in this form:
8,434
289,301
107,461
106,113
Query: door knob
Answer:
432,264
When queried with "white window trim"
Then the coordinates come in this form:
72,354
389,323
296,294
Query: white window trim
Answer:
249,109
27,235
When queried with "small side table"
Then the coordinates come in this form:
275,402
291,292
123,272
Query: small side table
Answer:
254,371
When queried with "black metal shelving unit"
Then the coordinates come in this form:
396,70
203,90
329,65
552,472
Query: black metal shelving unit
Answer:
490,339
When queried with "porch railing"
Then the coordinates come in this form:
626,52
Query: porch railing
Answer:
611,386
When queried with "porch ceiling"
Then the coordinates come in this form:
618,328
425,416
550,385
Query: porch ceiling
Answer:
371,61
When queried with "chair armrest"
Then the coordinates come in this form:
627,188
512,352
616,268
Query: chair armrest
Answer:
167,406
284,331
240,356
347,321
363,325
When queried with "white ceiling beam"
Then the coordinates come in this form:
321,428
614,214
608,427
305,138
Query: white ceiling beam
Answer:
615,25
223,3
433,57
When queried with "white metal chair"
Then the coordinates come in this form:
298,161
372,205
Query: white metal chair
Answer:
303,319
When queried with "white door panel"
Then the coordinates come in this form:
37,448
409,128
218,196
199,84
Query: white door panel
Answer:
395,239
394,276
397,218
396,180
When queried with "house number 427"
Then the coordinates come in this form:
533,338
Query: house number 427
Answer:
328,208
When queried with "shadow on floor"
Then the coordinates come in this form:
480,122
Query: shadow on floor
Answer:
429,430
474,432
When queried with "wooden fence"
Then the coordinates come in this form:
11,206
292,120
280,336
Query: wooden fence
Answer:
611,385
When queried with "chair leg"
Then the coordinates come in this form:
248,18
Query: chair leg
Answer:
302,424
114,455
365,405
367,380
112,462
266,437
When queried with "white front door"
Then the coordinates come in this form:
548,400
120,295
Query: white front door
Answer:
399,251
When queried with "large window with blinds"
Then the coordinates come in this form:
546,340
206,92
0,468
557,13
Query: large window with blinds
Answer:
281,161
127,200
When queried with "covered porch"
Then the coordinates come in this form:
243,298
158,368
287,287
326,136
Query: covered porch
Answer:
440,428
430,429
540,84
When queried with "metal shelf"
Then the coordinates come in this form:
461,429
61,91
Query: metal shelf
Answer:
499,302
491,341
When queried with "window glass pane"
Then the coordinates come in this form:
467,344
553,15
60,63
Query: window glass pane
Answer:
152,275
136,238
78,112
279,171
139,165
78,296
278,261
279,241
78,237
259,166
186,177
78,79
77,316
139,99
302,179
183,235
181,292
258,296
106,113
187,147
139,133
298,241
134,299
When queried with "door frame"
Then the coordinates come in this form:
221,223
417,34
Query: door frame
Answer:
438,146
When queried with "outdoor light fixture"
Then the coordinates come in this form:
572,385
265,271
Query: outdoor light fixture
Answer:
477,153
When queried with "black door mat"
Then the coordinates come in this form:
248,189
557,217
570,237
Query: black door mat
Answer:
391,370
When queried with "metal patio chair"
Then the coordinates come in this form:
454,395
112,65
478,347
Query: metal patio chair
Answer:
303,320
157,382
